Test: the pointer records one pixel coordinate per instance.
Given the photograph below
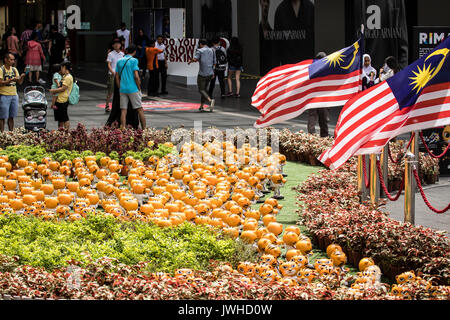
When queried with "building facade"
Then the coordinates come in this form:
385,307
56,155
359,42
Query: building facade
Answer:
271,31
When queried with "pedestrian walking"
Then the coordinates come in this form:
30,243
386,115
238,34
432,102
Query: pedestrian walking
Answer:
35,56
62,102
57,45
13,46
9,100
153,68
369,73
25,37
111,61
235,66
142,42
162,64
206,58
125,33
129,83
219,70
319,114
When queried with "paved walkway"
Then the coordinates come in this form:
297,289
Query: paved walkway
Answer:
229,113
439,197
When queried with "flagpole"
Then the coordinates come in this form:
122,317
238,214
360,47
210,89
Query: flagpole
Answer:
411,161
374,181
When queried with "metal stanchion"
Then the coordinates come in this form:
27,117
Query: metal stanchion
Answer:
411,161
361,184
374,181
384,167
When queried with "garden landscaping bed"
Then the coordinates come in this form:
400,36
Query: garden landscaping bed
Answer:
198,235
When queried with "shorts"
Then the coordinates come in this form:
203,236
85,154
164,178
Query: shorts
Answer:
232,68
135,99
34,68
61,114
110,83
9,106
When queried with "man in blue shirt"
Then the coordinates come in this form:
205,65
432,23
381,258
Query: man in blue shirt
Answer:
129,83
207,60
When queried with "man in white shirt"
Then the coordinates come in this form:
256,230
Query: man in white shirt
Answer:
124,32
111,60
162,63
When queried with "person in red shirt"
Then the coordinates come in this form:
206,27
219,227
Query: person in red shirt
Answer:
34,57
152,66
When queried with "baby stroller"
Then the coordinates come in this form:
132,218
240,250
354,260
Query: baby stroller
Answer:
34,108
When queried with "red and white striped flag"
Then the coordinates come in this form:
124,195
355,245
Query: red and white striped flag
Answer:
287,91
416,98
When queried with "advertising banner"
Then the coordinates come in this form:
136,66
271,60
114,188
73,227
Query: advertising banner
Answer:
286,32
427,38
385,31
179,53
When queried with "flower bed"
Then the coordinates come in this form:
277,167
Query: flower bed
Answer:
105,279
330,209
104,139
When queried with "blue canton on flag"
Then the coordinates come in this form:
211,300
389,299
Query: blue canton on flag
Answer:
434,68
343,61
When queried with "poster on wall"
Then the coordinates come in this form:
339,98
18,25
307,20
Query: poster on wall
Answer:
427,38
216,19
286,31
386,31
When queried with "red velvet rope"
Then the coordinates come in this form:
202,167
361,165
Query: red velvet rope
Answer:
419,185
400,158
383,184
430,152
366,179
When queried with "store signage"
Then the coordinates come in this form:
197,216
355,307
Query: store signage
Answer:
73,17
427,38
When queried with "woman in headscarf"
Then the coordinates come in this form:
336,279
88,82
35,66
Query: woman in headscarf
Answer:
369,72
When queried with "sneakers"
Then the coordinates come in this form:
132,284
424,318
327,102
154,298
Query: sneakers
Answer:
229,94
237,95
42,81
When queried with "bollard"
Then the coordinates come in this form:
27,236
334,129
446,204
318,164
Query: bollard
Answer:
361,185
411,161
374,181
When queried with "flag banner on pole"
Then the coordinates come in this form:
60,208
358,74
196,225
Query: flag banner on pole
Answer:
416,98
287,91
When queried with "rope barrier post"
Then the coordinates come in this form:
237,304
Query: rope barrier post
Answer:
374,180
361,184
411,160
384,168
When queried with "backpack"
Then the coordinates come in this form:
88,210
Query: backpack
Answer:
221,58
74,96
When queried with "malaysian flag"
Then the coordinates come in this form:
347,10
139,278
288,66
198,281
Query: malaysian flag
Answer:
287,91
416,98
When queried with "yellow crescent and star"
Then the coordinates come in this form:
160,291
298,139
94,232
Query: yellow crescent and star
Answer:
424,75
337,57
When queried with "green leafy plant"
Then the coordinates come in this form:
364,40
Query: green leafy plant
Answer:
52,244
